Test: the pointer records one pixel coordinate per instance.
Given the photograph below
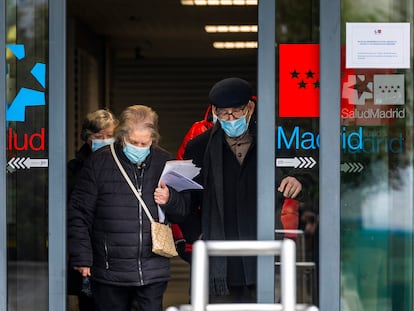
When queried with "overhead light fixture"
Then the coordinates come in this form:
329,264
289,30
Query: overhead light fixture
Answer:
230,28
218,2
235,44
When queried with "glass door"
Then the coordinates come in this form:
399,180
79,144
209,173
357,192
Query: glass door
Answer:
27,154
377,156
34,270
297,136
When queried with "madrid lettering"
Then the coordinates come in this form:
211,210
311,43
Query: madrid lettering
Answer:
355,141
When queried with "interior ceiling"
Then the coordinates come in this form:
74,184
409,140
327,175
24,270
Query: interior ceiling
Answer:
164,28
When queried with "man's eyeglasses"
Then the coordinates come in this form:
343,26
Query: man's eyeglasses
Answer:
224,114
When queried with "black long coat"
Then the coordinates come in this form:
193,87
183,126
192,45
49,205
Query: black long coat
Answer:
228,203
108,230
223,178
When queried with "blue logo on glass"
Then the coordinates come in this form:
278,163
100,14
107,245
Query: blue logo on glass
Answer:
26,97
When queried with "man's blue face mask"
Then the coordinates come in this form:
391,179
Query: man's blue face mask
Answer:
235,128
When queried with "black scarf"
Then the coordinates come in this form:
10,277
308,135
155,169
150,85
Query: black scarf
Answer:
213,214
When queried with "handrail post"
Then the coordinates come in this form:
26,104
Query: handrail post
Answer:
199,277
288,274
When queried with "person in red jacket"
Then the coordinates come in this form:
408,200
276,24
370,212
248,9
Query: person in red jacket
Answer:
187,232
196,129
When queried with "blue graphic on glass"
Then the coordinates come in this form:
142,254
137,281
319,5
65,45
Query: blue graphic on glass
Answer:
17,50
26,97
39,72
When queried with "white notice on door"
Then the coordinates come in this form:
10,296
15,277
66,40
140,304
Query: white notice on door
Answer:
378,45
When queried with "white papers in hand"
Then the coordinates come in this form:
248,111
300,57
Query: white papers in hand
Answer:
179,174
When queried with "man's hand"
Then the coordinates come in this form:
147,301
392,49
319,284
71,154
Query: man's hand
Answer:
290,187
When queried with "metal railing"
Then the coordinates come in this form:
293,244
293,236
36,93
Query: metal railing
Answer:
286,249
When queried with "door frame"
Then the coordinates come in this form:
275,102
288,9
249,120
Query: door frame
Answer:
57,155
3,219
329,155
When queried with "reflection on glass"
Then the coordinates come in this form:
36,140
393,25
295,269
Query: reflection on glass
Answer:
376,175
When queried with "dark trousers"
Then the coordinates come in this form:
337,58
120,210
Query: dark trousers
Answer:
238,294
74,287
120,298
85,303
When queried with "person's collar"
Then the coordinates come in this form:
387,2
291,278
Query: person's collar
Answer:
243,139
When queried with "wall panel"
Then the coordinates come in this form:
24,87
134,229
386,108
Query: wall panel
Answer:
176,88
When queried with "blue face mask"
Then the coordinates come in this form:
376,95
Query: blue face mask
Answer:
99,143
136,154
235,128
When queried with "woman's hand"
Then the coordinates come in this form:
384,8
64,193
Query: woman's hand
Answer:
84,271
161,194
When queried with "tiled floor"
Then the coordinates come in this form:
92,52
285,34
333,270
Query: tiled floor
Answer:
178,291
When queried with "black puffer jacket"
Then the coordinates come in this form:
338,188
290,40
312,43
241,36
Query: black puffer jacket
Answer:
108,230
74,278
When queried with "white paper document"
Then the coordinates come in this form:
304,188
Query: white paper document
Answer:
179,175
378,45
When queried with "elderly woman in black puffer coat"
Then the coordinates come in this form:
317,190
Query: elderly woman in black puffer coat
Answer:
109,233
97,131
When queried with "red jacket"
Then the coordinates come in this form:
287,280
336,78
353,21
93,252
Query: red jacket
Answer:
196,129
184,249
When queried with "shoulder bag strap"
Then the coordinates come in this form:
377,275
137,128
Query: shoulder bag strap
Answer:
121,168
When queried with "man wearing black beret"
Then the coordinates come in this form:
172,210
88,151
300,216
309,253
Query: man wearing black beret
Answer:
227,155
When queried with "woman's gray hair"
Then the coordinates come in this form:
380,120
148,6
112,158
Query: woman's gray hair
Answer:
96,121
137,117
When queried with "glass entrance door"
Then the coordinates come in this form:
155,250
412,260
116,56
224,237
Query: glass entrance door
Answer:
377,156
297,135
27,154
33,226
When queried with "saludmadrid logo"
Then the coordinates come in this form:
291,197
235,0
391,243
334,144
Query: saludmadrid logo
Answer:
392,113
357,140
377,97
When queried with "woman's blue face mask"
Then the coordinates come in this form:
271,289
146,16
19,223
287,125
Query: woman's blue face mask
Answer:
136,154
235,128
99,143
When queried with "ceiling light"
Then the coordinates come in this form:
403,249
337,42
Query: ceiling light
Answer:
235,44
218,2
230,28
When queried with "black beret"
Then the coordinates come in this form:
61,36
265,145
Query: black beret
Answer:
230,93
